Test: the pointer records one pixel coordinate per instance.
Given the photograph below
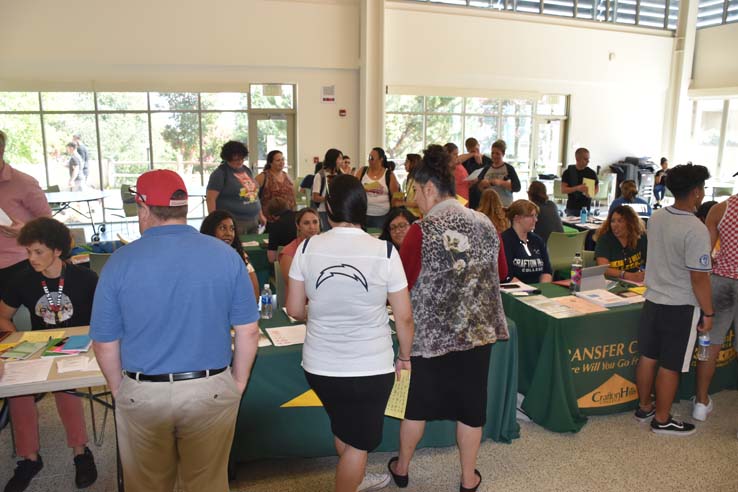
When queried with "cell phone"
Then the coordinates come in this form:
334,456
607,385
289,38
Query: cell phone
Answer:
509,286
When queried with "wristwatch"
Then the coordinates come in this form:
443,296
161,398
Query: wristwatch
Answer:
705,315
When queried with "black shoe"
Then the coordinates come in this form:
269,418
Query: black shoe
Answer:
672,427
24,472
643,415
86,471
400,480
473,489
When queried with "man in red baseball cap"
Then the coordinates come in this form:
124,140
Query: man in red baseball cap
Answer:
161,324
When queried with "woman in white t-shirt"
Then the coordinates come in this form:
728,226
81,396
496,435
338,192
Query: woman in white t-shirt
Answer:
381,187
348,276
331,167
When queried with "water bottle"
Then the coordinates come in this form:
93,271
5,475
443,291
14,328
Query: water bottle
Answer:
583,216
576,273
266,302
703,349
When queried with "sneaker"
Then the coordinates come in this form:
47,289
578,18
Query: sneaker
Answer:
673,428
643,415
374,481
86,471
24,472
700,411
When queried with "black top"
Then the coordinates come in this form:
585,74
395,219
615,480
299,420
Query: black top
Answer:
622,258
528,261
475,193
283,231
574,177
548,220
76,301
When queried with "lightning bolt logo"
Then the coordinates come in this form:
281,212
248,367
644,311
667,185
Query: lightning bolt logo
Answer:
345,271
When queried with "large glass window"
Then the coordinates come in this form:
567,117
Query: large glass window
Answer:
650,13
413,122
714,141
127,133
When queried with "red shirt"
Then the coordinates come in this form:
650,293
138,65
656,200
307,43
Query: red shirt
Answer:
462,185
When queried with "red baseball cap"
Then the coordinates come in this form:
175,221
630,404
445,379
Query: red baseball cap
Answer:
156,189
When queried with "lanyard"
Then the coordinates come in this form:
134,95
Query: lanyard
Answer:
55,308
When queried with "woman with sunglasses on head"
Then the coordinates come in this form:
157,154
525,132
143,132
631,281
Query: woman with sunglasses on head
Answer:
348,354
527,256
308,225
232,187
622,244
381,187
220,225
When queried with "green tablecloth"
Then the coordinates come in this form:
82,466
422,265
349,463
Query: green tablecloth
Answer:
574,367
258,256
266,429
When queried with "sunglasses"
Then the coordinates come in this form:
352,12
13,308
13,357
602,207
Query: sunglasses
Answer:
132,191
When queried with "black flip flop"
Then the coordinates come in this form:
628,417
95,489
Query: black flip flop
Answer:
473,489
400,480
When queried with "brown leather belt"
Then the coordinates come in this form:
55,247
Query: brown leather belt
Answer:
170,378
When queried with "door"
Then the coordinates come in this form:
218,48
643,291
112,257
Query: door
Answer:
272,131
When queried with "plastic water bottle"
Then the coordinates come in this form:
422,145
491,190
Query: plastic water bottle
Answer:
266,302
576,273
703,349
583,216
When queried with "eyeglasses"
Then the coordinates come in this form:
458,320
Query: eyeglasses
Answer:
371,157
132,191
399,227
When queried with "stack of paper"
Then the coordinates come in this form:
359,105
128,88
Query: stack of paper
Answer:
514,287
602,298
77,363
27,371
287,335
73,345
23,350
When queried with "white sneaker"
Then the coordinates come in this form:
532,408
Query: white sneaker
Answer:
700,411
374,481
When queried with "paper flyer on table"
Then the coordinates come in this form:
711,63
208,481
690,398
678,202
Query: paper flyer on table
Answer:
250,244
549,306
41,336
287,335
264,340
26,371
398,398
76,363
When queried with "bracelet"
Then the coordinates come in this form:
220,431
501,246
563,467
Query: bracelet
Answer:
408,360
704,315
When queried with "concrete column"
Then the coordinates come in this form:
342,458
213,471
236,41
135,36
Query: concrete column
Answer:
678,114
371,79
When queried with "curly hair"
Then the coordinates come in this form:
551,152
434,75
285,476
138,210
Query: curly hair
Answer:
233,149
49,232
633,224
491,206
435,168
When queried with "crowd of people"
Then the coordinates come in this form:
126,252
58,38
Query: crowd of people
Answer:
448,239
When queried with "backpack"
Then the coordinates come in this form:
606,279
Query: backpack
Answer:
323,181
387,179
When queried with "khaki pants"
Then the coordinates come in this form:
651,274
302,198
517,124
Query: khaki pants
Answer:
180,429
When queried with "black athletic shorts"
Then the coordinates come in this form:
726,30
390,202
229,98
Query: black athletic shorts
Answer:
668,333
355,406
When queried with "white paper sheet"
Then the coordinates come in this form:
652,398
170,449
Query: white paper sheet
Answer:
26,371
4,219
264,340
287,335
76,363
474,175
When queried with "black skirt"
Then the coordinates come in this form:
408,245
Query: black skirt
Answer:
355,406
452,386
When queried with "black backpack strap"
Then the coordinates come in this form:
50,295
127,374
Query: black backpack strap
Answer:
323,180
305,244
390,246
363,172
484,171
387,179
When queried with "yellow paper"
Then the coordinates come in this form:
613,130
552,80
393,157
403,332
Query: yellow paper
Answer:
41,336
6,346
638,290
590,186
372,185
398,398
462,200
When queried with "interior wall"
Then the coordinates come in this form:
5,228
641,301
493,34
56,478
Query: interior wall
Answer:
617,79
715,63
169,45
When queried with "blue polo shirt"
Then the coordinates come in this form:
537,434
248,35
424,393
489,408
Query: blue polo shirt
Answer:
171,298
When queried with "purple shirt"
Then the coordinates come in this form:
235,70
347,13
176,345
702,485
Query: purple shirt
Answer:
23,200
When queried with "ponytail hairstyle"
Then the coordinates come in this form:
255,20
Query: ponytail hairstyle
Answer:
435,168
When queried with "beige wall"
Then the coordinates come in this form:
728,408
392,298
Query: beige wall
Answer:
193,45
617,106
715,61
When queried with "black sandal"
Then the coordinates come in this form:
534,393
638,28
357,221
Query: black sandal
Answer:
473,489
400,480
